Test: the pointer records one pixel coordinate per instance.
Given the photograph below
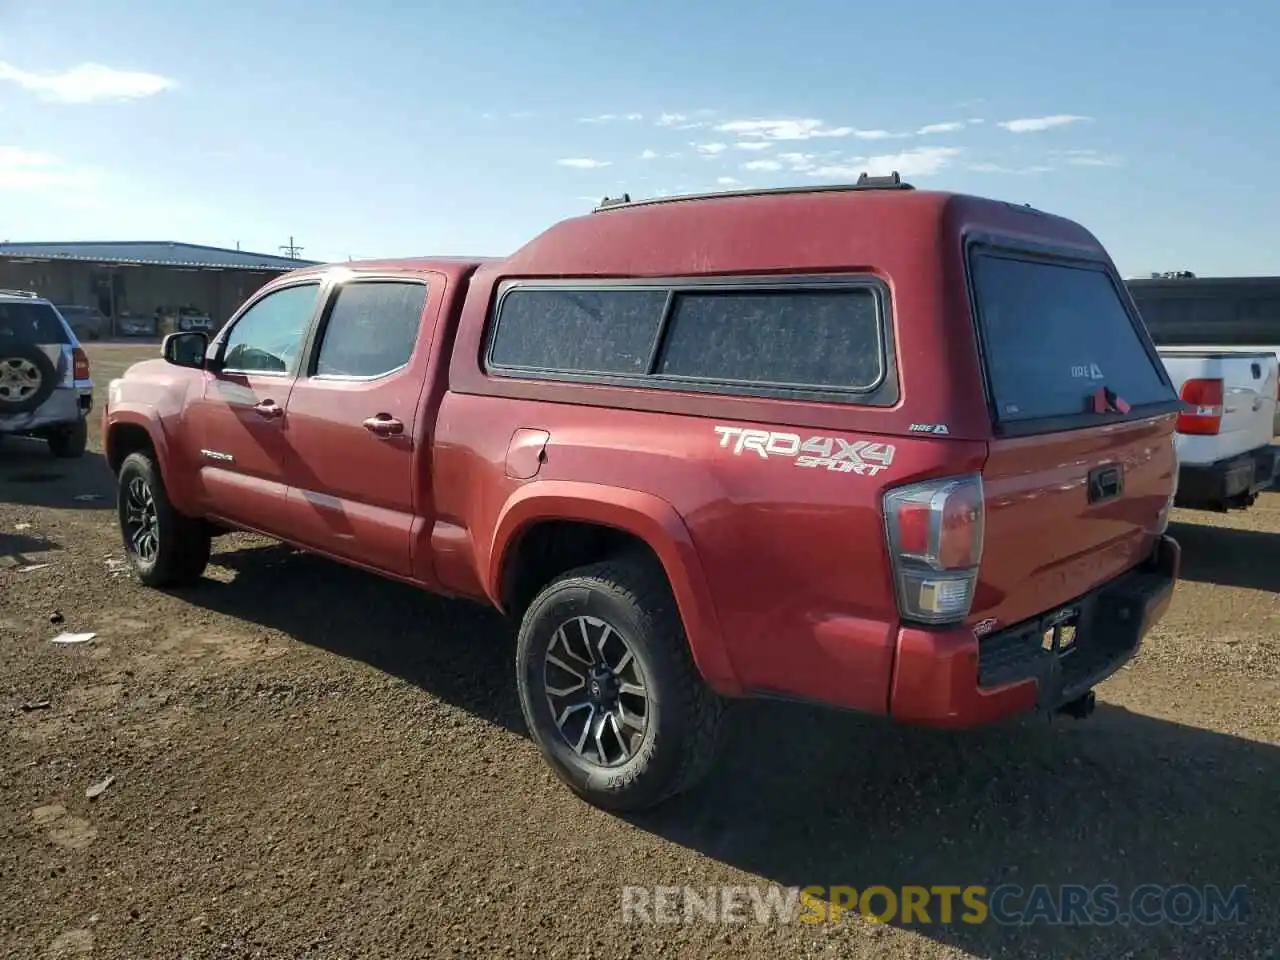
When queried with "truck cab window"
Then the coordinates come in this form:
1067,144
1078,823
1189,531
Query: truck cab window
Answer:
372,328
268,336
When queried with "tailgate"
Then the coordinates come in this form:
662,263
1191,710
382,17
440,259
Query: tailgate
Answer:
1056,528
1080,478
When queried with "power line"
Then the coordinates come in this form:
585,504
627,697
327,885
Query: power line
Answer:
291,250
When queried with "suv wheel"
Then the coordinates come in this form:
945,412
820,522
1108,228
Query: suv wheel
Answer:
609,689
27,378
70,441
164,547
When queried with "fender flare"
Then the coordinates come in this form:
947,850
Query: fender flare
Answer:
144,418
643,515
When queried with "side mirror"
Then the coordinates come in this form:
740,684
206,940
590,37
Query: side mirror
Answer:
185,349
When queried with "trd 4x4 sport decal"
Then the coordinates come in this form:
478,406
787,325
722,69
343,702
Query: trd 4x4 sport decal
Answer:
863,457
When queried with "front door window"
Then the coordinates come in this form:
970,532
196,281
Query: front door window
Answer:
267,339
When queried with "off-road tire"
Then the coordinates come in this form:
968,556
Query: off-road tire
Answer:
184,542
69,442
679,746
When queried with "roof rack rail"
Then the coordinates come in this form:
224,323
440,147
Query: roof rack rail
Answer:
892,181
28,294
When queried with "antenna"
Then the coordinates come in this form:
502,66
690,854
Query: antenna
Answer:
291,250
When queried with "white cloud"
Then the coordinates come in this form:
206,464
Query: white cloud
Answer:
949,127
1036,124
583,163
877,135
921,162
727,181
671,119
754,145
608,117
711,149
797,129
648,154
1091,158
523,115
88,83
997,168
762,165
22,169
974,121
798,162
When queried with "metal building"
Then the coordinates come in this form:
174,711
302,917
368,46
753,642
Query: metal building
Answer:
129,280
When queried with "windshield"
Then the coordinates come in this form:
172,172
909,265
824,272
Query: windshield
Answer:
36,323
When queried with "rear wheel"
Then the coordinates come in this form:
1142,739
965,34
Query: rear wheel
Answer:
70,441
609,689
164,547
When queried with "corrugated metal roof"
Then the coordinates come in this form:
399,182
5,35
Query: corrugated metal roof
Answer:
153,253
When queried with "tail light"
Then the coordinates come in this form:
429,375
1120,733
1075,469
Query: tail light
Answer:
934,532
1206,397
80,364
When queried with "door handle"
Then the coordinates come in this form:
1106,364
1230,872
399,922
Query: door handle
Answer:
384,425
269,408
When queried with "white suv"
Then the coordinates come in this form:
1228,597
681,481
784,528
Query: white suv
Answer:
45,388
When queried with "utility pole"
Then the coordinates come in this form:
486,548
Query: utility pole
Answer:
291,250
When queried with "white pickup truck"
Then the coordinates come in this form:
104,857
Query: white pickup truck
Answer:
1225,454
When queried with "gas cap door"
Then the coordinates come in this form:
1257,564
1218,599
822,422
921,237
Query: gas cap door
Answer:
526,453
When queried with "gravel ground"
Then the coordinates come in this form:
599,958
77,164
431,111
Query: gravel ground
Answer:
310,762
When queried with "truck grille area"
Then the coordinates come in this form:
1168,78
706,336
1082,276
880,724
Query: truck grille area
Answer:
1077,645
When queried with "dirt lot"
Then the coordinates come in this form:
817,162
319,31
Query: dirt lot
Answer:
310,762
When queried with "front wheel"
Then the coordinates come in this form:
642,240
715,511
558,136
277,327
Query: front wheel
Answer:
164,547
609,688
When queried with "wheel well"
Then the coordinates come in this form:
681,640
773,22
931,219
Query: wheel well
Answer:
553,547
125,439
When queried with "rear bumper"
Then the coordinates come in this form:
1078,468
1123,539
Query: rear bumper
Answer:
64,406
952,679
1215,484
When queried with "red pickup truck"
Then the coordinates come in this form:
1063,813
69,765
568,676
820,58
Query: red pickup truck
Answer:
905,452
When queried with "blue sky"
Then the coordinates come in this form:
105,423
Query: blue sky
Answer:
381,129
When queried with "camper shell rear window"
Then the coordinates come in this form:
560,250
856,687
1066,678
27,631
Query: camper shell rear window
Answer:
1054,334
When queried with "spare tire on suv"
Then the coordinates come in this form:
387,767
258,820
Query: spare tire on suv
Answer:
27,377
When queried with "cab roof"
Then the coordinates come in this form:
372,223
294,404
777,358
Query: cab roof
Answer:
450,266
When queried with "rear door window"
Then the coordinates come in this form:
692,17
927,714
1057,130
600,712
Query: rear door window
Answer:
1053,335
372,328
36,323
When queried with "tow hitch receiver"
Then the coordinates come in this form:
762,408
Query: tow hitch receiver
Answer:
1081,707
